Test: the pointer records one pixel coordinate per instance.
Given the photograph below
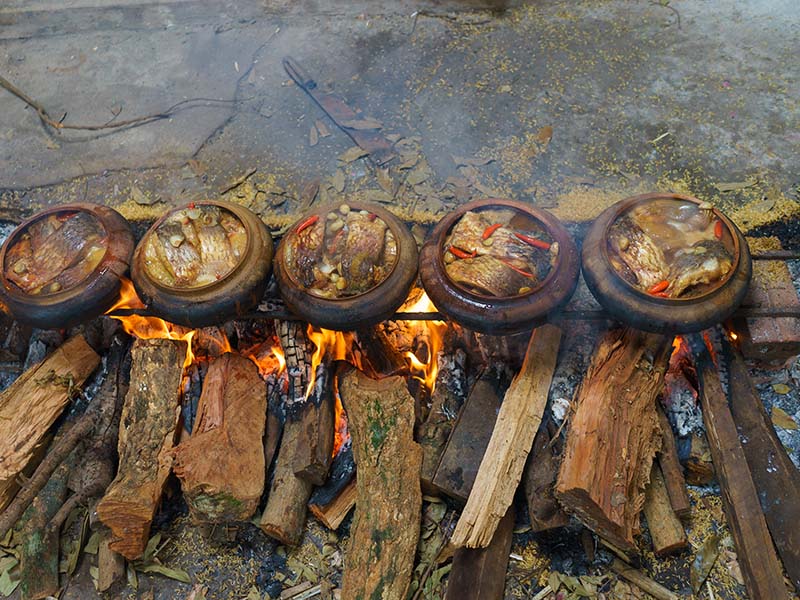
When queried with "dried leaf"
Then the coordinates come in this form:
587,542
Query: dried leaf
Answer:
139,197
762,206
95,574
418,175
322,128
474,162
7,586
703,562
781,388
176,574
199,592
733,186
504,89
377,196
133,579
782,419
544,135
361,124
253,594
338,181
382,175
313,136
352,154
554,581
197,167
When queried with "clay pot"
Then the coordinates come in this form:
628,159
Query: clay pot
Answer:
85,299
234,293
358,311
651,313
499,315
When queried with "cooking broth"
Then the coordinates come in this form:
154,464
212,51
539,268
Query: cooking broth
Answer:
195,246
55,253
671,249
340,254
498,252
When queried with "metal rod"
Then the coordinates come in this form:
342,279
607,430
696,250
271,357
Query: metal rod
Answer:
776,255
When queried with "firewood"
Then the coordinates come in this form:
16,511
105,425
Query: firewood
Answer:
285,513
297,351
614,434
502,465
539,480
32,404
672,470
379,560
665,527
480,573
642,581
469,438
774,474
110,565
334,512
146,437
276,385
221,466
312,455
381,354
698,464
448,396
761,570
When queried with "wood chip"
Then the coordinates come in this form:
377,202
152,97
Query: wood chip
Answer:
733,186
361,124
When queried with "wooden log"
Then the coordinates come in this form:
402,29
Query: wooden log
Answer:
502,465
343,471
277,385
297,351
110,565
665,527
539,482
31,405
313,453
285,513
642,581
614,434
146,437
382,356
480,573
761,570
469,438
774,474
379,560
697,460
672,470
221,466
334,512
448,396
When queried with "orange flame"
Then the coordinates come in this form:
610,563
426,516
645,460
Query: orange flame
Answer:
269,361
340,433
331,346
426,372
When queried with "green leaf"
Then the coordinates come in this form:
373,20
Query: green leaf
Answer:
254,594
93,544
150,550
554,581
176,574
7,586
133,579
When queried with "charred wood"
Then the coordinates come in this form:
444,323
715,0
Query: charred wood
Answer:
540,479
382,356
672,470
343,471
313,452
332,513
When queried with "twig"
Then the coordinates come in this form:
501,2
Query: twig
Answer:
666,4
543,593
237,182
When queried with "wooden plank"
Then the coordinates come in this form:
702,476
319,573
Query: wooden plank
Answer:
761,570
672,470
666,529
539,482
512,438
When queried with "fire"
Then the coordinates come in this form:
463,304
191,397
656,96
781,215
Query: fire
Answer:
340,433
128,298
268,360
433,333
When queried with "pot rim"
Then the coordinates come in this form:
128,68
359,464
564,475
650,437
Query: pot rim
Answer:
454,216
13,291
231,207
627,204
281,252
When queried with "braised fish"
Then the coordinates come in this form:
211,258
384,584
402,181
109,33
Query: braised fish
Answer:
306,249
644,259
489,275
705,262
177,254
363,250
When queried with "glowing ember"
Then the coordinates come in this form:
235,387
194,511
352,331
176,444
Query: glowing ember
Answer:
433,331
268,358
340,433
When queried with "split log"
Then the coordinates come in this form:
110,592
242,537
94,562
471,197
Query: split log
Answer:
665,527
642,581
539,480
614,434
334,512
672,470
221,466
448,396
502,465
110,565
297,351
31,405
277,386
379,560
469,438
381,354
146,437
313,453
774,474
480,573
761,570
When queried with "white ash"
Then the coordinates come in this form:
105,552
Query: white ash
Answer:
577,345
681,405
765,382
5,230
453,372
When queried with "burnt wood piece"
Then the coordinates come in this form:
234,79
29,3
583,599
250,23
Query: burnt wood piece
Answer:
146,438
767,339
614,434
672,470
277,385
539,480
31,405
334,512
297,351
665,527
512,438
761,569
285,513
695,456
447,399
480,573
381,354
379,560
469,438
343,470
313,453
221,466
774,474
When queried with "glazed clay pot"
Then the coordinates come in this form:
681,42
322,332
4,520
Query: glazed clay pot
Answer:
233,293
647,312
81,300
500,315
357,311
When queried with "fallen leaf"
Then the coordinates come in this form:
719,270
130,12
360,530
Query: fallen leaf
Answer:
199,592
544,135
7,586
762,206
703,562
93,544
322,128
733,186
176,574
781,388
504,89
253,594
377,196
361,124
418,175
783,420
352,154
382,175
130,574
338,181
313,136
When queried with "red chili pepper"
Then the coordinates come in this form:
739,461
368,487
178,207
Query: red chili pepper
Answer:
307,223
718,229
372,216
459,253
658,287
533,241
517,269
490,230
662,294
191,204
